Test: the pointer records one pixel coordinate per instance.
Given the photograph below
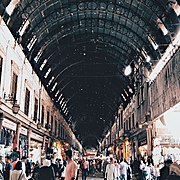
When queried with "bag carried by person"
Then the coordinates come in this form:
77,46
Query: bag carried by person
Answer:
20,176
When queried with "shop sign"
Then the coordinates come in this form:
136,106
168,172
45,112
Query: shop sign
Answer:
9,124
23,131
36,137
142,143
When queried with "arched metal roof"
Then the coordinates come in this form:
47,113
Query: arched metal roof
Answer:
80,48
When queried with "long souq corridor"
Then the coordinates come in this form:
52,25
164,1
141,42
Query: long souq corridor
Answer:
89,90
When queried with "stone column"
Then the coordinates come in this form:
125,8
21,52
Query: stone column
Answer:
149,140
43,146
29,141
18,130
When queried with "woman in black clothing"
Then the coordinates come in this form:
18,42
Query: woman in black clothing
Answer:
46,171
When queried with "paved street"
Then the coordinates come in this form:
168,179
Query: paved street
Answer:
98,176
93,178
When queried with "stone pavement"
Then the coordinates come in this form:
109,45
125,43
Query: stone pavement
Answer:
94,178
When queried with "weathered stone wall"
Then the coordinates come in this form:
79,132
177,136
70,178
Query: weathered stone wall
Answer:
165,90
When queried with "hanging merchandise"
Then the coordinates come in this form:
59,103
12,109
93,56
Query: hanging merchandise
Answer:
23,145
35,151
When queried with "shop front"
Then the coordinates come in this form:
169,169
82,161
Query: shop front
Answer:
23,142
166,143
127,149
142,144
133,148
8,134
36,145
57,149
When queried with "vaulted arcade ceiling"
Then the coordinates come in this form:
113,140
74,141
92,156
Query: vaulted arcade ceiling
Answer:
80,49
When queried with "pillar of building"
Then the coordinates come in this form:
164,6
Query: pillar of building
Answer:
18,130
29,141
43,146
149,140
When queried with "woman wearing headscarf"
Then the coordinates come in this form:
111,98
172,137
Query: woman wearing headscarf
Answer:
17,173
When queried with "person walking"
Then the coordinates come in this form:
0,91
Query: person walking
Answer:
71,167
165,171
28,168
117,167
63,170
129,171
2,164
23,160
55,167
135,166
7,168
17,173
123,169
46,171
144,170
35,173
85,169
105,162
110,173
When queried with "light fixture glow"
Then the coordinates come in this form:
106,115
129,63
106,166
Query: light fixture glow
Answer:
148,59
127,70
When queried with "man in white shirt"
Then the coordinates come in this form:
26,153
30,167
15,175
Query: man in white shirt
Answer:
123,169
23,160
110,173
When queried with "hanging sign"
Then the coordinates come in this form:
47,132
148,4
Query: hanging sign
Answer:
23,131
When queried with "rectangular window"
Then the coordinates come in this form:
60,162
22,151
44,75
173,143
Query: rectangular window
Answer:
127,125
138,99
59,129
63,136
52,123
35,109
133,121
61,132
121,119
142,93
48,117
130,123
14,85
42,116
27,102
56,127
119,115
116,119
1,62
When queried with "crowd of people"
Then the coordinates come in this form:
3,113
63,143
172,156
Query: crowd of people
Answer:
142,169
24,169
68,169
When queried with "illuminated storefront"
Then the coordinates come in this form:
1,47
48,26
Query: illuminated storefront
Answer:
166,144
36,144
57,149
8,137
142,143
